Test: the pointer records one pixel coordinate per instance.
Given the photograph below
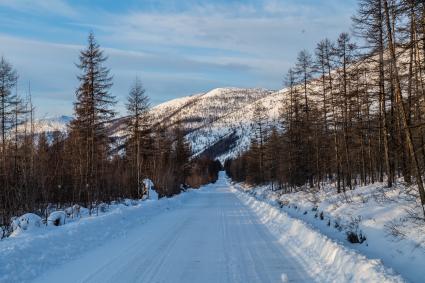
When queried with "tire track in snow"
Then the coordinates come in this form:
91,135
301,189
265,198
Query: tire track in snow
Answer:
212,237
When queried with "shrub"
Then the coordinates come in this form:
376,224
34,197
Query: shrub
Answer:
57,218
352,237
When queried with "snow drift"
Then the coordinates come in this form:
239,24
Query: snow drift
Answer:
35,248
316,249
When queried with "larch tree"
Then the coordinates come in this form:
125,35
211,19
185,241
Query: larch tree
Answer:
260,132
93,109
138,125
323,53
304,71
400,104
8,79
344,53
369,25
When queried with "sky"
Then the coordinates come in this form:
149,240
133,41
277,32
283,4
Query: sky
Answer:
175,47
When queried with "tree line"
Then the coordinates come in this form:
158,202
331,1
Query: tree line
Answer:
351,114
41,172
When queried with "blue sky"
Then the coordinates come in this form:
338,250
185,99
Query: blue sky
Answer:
176,47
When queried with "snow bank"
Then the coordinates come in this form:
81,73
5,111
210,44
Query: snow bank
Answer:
56,218
330,261
26,222
129,202
386,217
27,255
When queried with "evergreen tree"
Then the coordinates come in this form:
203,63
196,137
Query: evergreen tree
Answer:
181,162
138,126
272,156
260,131
8,79
304,71
93,109
344,53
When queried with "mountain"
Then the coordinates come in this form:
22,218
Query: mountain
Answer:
218,123
51,124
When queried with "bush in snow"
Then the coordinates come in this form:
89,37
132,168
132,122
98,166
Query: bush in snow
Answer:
57,218
5,231
103,207
26,222
76,210
354,238
73,211
68,211
130,202
354,234
337,226
83,211
282,203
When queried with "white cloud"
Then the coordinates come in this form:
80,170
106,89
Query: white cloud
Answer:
175,52
51,69
259,34
59,7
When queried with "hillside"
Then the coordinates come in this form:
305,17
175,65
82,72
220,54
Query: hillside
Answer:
217,122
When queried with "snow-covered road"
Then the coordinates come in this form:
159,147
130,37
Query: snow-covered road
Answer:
213,237
215,234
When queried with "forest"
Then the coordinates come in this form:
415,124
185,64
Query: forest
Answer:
354,113
40,173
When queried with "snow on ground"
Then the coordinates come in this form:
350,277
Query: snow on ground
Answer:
215,234
383,216
30,252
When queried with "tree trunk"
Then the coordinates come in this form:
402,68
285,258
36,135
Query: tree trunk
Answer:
402,111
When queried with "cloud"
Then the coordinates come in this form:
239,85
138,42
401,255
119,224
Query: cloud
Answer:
58,7
50,68
177,47
274,30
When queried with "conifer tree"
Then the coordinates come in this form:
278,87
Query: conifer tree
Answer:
181,156
8,79
260,130
344,53
138,126
93,109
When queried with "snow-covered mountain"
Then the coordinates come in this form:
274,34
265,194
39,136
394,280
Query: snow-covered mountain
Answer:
51,124
218,123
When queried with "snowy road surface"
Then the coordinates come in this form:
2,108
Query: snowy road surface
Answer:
213,237
215,234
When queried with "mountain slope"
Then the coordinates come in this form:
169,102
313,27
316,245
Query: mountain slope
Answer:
217,123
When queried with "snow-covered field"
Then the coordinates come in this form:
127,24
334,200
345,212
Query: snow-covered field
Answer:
383,218
215,234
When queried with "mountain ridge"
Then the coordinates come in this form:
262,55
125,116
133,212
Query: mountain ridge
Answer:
219,118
